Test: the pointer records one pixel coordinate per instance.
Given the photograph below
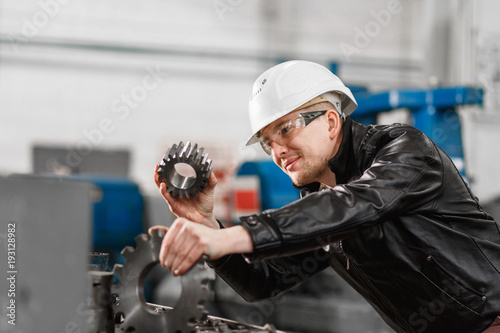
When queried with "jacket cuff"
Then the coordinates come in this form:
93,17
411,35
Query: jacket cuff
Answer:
218,262
265,235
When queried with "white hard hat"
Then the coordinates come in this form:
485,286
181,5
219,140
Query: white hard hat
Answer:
284,87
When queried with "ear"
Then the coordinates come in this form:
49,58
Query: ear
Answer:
334,123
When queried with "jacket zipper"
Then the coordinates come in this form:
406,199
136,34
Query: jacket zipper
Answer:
347,265
381,300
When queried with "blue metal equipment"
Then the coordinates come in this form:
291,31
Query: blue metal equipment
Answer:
276,188
432,111
118,214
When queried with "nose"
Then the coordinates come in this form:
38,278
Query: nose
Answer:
278,148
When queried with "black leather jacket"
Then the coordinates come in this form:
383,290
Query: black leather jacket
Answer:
401,227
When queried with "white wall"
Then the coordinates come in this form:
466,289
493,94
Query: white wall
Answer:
67,67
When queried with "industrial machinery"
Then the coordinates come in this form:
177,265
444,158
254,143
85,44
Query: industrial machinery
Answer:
122,308
129,291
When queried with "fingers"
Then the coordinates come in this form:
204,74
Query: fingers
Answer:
161,185
166,243
174,250
171,201
182,246
190,259
157,176
163,189
212,180
187,251
150,230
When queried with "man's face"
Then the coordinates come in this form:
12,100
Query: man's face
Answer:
304,157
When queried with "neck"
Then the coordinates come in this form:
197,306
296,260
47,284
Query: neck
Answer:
329,179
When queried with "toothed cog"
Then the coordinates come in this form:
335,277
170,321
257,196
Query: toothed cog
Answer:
177,184
140,316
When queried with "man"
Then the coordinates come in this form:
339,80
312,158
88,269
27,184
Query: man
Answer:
382,205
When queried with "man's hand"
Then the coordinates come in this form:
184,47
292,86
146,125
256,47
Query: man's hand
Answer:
198,209
186,241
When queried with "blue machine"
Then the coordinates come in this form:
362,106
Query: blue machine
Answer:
432,111
276,188
118,215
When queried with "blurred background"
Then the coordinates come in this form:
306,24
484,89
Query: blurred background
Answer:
94,92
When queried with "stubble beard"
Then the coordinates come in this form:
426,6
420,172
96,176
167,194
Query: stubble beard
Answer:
309,173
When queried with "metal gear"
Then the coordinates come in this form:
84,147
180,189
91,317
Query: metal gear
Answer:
140,316
179,185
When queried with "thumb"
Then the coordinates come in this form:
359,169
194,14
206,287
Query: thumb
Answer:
212,180
156,176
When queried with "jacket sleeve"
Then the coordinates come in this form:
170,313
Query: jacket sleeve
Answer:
271,277
403,174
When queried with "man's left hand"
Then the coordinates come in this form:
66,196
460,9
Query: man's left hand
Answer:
186,241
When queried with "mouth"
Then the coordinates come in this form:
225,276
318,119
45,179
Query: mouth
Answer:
288,165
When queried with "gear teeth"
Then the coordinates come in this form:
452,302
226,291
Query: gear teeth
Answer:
177,185
204,159
209,166
118,269
127,252
198,157
189,311
193,150
182,149
141,241
188,149
158,234
141,238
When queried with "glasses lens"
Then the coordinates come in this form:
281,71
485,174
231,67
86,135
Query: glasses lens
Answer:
285,131
265,147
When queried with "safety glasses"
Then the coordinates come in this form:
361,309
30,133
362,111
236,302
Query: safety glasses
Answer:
285,131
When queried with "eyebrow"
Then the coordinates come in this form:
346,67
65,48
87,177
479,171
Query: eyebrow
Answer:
275,126
299,114
281,122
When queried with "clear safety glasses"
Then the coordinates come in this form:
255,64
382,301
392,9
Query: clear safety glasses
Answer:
285,131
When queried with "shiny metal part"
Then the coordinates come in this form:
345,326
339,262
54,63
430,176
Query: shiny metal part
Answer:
100,302
140,316
177,184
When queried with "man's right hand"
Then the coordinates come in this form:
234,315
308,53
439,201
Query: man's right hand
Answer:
198,209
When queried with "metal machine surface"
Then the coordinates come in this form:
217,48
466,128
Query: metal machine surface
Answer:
51,236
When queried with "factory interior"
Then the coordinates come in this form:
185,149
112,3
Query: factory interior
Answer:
94,94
